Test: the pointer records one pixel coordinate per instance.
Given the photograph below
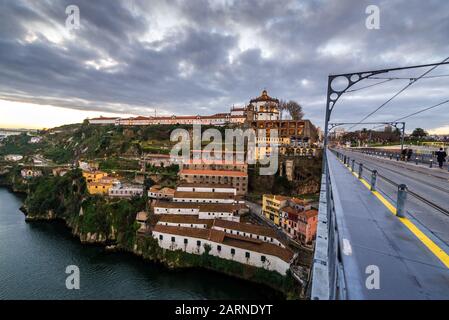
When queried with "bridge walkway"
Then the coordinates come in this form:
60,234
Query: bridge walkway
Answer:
411,263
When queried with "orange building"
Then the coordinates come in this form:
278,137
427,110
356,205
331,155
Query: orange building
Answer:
300,224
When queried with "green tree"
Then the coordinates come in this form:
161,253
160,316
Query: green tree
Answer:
419,133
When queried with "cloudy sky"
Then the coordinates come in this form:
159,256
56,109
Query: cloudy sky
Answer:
136,57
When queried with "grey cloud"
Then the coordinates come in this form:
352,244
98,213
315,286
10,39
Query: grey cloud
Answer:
149,75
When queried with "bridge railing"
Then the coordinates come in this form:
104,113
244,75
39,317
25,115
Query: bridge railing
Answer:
327,274
428,158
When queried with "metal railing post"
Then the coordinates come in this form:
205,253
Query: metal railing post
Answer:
360,170
352,165
402,197
373,180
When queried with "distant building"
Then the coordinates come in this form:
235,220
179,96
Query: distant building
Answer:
141,219
300,224
13,157
94,176
271,206
101,187
158,192
35,140
98,182
264,107
125,191
223,211
196,187
104,120
30,173
237,179
205,164
157,160
60,172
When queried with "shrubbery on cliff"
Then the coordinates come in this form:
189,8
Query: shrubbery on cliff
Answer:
61,195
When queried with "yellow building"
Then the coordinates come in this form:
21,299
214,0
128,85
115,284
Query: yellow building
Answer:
101,187
272,205
94,176
98,182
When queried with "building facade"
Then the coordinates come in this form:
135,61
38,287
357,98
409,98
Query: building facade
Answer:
125,191
237,179
271,206
224,245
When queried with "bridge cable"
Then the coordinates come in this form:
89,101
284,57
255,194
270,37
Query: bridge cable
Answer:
396,94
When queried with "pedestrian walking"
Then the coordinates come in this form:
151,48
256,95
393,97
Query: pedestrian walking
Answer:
409,154
441,157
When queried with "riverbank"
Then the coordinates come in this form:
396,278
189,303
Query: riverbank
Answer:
93,220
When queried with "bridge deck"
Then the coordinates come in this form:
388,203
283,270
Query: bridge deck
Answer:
371,235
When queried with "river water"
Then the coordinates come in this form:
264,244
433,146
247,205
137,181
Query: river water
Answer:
34,257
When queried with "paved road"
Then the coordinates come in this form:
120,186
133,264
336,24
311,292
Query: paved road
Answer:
432,184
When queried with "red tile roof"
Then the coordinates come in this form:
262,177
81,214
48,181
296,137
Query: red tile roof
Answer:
245,227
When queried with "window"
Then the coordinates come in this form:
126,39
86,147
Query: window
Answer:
247,255
232,251
173,239
198,243
186,241
218,248
262,258
161,237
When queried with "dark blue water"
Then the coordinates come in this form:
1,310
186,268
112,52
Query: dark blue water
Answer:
34,256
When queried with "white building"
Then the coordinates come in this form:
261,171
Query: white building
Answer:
157,192
30,173
224,211
224,245
104,120
264,107
125,191
35,140
205,197
13,157
197,187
